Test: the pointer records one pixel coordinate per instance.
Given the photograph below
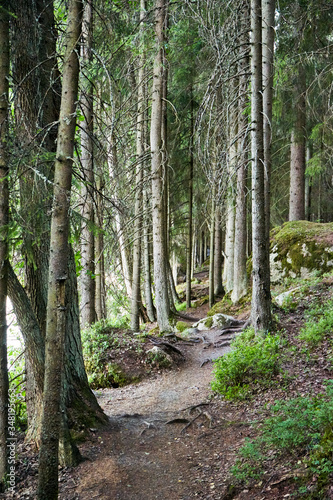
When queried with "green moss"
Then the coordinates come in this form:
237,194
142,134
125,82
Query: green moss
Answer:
221,307
181,326
209,322
111,376
203,300
154,331
303,244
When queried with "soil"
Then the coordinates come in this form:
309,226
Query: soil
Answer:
170,438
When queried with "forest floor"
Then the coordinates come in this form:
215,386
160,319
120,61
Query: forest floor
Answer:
170,438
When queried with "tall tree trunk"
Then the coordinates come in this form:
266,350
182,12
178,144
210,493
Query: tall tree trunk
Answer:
58,264
218,286
240,274
140,150
159,250
4,218
190,209
100,306
268,15
228,272
297,151
147,258
307,195
211,247
261,299
87,280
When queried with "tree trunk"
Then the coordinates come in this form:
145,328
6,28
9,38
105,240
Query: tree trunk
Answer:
297,151
58,264
228,272
240,274
140,150
218,286
6,429
87,279
190,210
307,195
211,248
100,306
159,250
261,300
268,15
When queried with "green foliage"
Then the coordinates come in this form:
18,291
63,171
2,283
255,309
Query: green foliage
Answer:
181,306
181,326
300,425
17,389
97,341
252,359
319,323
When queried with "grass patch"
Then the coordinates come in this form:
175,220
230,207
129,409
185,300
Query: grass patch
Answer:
252,360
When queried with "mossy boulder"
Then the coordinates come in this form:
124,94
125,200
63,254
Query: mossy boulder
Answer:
157,357
181,326
301,249
218,320
112,375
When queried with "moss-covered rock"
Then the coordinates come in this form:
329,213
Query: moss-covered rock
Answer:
111,376
300,249
181,326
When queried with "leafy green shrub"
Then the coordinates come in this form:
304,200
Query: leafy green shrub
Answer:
181,306
319,323
97,340
299,425
17,389
252,359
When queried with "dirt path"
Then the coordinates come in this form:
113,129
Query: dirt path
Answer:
146,452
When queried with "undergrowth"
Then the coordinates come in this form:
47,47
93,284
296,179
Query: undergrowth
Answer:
97,341
252,360
17,386
319,322
301,428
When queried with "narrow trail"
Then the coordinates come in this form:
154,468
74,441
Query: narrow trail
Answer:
147,451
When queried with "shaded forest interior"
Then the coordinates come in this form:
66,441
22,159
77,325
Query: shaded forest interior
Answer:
141,143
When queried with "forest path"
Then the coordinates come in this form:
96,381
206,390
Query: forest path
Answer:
145,453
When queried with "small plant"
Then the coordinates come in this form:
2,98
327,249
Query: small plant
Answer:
97,341
253,359
300,425
319,323
17,388
181,306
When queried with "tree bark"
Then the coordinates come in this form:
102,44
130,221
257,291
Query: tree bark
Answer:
297,151
218,286
268,15
100,306
58,264
140,150
261,300
240,274
6,430
228,272
87,277
190,210
159,240
211,247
